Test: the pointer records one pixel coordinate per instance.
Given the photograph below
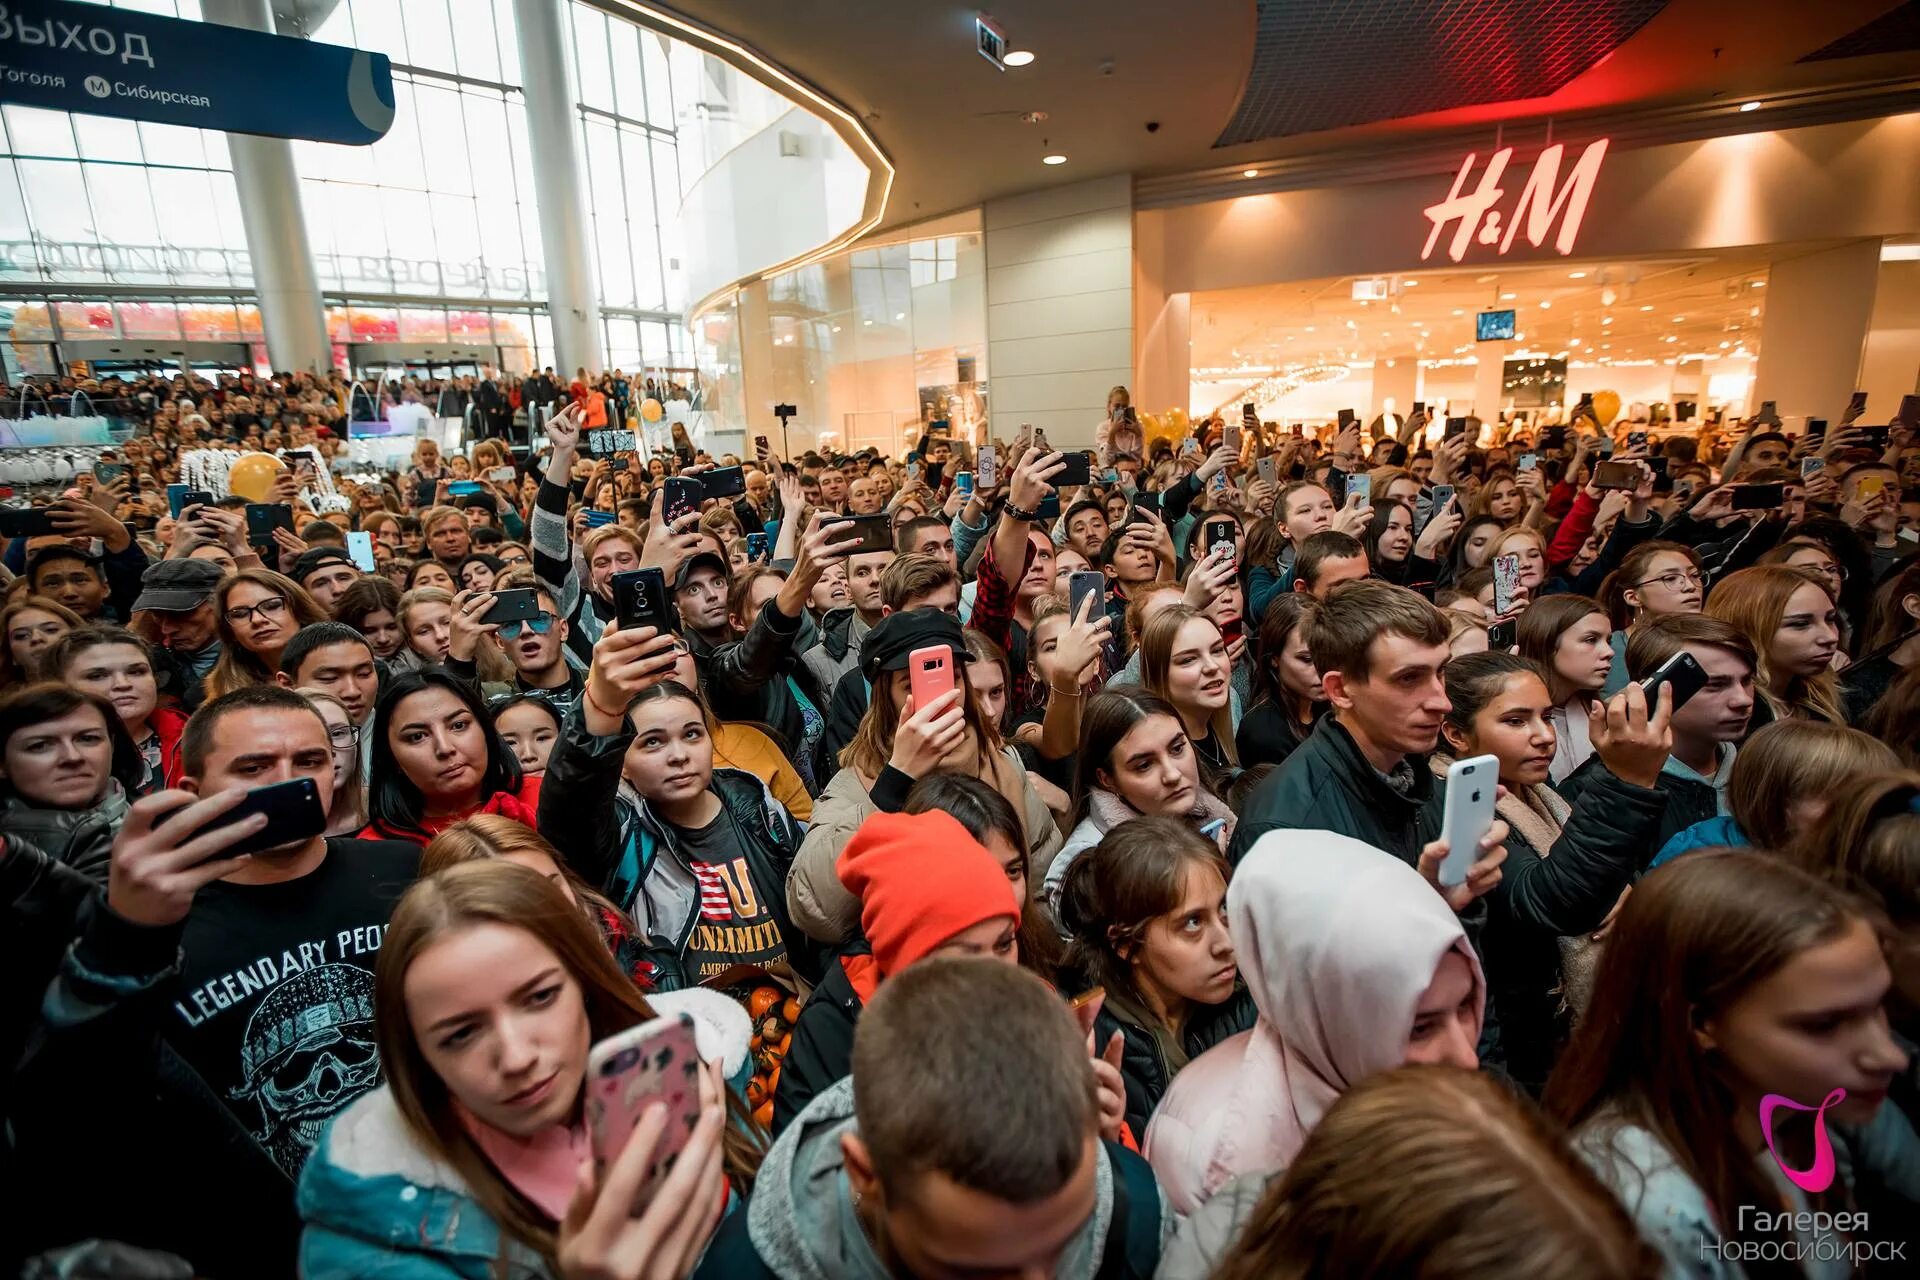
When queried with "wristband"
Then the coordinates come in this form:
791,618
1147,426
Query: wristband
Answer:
1025,517
586,691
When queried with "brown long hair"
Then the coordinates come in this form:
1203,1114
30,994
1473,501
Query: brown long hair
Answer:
238,666
493,891
1790,760
1693,937
1156,655
1442,1173
1539,631
1632,571
1754,599
12,674
872,744
1890,619
1868,841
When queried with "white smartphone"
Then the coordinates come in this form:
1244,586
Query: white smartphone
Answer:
1472,787
360,550
986,467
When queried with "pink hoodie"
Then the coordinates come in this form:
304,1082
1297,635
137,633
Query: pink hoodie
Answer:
1338,940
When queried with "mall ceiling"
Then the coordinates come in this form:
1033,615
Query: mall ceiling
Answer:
1158,89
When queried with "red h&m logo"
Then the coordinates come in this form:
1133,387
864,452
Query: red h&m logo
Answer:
1541,201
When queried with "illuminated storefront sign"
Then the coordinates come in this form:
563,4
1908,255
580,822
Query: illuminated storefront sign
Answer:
1542,199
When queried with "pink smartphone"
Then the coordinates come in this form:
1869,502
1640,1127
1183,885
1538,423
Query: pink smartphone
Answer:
656,1061
929,674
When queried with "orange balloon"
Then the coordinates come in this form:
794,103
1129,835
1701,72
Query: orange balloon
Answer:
252,476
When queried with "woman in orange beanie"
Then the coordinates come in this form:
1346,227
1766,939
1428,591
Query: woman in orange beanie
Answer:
926,887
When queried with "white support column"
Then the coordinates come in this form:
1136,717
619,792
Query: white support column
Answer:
553,137
284,279
1815,331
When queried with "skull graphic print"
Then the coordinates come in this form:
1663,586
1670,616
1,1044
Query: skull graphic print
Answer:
309,1050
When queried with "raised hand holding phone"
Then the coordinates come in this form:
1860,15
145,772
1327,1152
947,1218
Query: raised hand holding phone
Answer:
624,663
928,733
1632,737
161,858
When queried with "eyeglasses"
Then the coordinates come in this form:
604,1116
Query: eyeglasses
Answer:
343,736
271,607
509,562
1677,580
539,624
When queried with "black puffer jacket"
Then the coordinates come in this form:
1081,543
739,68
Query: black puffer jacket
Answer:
822,1048
1327,785
747,679
1688,801
1144,1068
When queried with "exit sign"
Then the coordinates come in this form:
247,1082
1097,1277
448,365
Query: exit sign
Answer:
990,40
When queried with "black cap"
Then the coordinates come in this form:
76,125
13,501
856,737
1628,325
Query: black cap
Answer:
470,500
889,644
178,586
701,560
313,559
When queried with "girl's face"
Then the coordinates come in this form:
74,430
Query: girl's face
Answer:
540,864
30,633
1226,606
61,764
382,631
1153,768
1197,668
1396,540
1297,674
1670,584
121,674
261,617
502,1023
995,939
529,733
1583,656
430,629
671,758
476,575
1815,1024
460,467
345,751
1504,499
1446,1019
1533,564
432,573
830,592
989,684
1479,545
1011,860
1808,633
1187,954
1513,726
1818,559
441,746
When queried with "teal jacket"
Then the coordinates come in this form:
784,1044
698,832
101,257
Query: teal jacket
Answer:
1713,833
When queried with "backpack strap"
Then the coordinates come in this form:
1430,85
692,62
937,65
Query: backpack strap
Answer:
1132,1250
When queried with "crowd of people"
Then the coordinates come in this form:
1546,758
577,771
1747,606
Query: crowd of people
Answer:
1047,850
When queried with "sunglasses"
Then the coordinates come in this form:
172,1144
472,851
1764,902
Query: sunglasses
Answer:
539,623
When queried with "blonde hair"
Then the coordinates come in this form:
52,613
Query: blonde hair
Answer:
352,795
1754,600
1156,654
1520,531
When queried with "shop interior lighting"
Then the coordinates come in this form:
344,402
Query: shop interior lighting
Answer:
1055,158
1018,57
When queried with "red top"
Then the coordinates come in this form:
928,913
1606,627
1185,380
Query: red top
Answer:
521,807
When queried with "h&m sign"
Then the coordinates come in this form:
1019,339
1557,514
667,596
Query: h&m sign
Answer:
1477,218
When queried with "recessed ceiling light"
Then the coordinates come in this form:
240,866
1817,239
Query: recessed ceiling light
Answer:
1457,311
1249,173
1508,297
1544,304
836,328
1749,106
1018,57
899,315
866,322
1679,319
1576,275
1756,284
1408,284
1648,307
1055,158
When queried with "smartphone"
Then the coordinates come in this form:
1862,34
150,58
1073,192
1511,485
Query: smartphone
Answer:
934,471
465,488
1189,447
294,814
1816,427
761,447
655,1062
25,522
616,465
1359,490
514,605
1876,437
1527,462
1909,414
1768,414
1683,676
1472,787
606,441
1082,584
107,472
723,482
1506,582
1757,497
759,549
1141,505
876,532
1615,475
682,494
1076,469
1636,439
1346,419
640,600
1455,427
176,499
1419,408
196,498
1869,485
1216,534
1336,482
1813,465
360,550
1230,438
501,475
1503,635
963,483
597,518
987,466
1442,495
263,518
1269,469
929,674
1086,1007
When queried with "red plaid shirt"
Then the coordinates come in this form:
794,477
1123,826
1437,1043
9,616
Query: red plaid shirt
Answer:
993,602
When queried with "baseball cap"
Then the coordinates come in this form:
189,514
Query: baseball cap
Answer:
895,637
701,560
177,586
313,559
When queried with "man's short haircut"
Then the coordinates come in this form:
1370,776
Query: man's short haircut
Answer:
1657,639
61,551
433,517
911,576
904,536
196,741
639,508
1316,549
317,635
1354,614
591,543
955,1028
322,533
488,535
1085,504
